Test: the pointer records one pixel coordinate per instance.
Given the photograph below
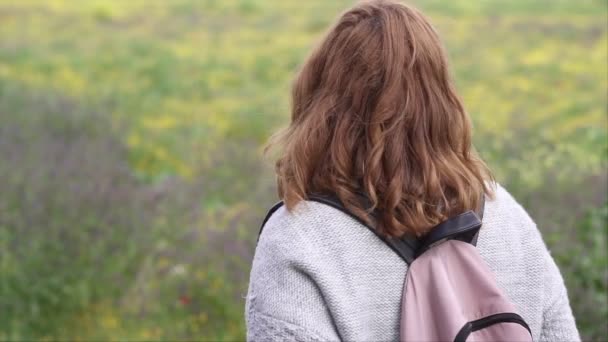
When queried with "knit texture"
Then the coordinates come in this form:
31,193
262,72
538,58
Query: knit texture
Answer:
319,275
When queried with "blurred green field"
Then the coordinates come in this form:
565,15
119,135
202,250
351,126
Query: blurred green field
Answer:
130,150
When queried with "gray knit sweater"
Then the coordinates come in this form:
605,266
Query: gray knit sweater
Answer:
319,275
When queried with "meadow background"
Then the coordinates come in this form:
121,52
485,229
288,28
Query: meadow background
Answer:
132,183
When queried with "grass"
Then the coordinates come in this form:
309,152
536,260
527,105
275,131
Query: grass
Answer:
130,135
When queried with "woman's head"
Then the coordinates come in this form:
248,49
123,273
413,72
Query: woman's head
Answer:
375,113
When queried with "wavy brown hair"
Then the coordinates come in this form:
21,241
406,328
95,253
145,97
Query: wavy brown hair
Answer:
375,113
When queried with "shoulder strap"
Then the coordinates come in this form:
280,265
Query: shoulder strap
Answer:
464,227
479,213
481,206
405,248
270,212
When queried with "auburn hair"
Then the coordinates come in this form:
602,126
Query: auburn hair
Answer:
375,115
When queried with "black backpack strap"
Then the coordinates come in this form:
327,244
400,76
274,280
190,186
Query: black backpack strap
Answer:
270,212
479,213
405,248
464,227
481,206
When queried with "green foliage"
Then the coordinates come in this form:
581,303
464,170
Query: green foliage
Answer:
130,138
583,260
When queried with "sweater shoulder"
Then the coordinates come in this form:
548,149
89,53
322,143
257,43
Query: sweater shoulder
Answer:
307,220
284,291
509,238
505,211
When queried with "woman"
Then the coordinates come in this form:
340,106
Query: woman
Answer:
376,114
